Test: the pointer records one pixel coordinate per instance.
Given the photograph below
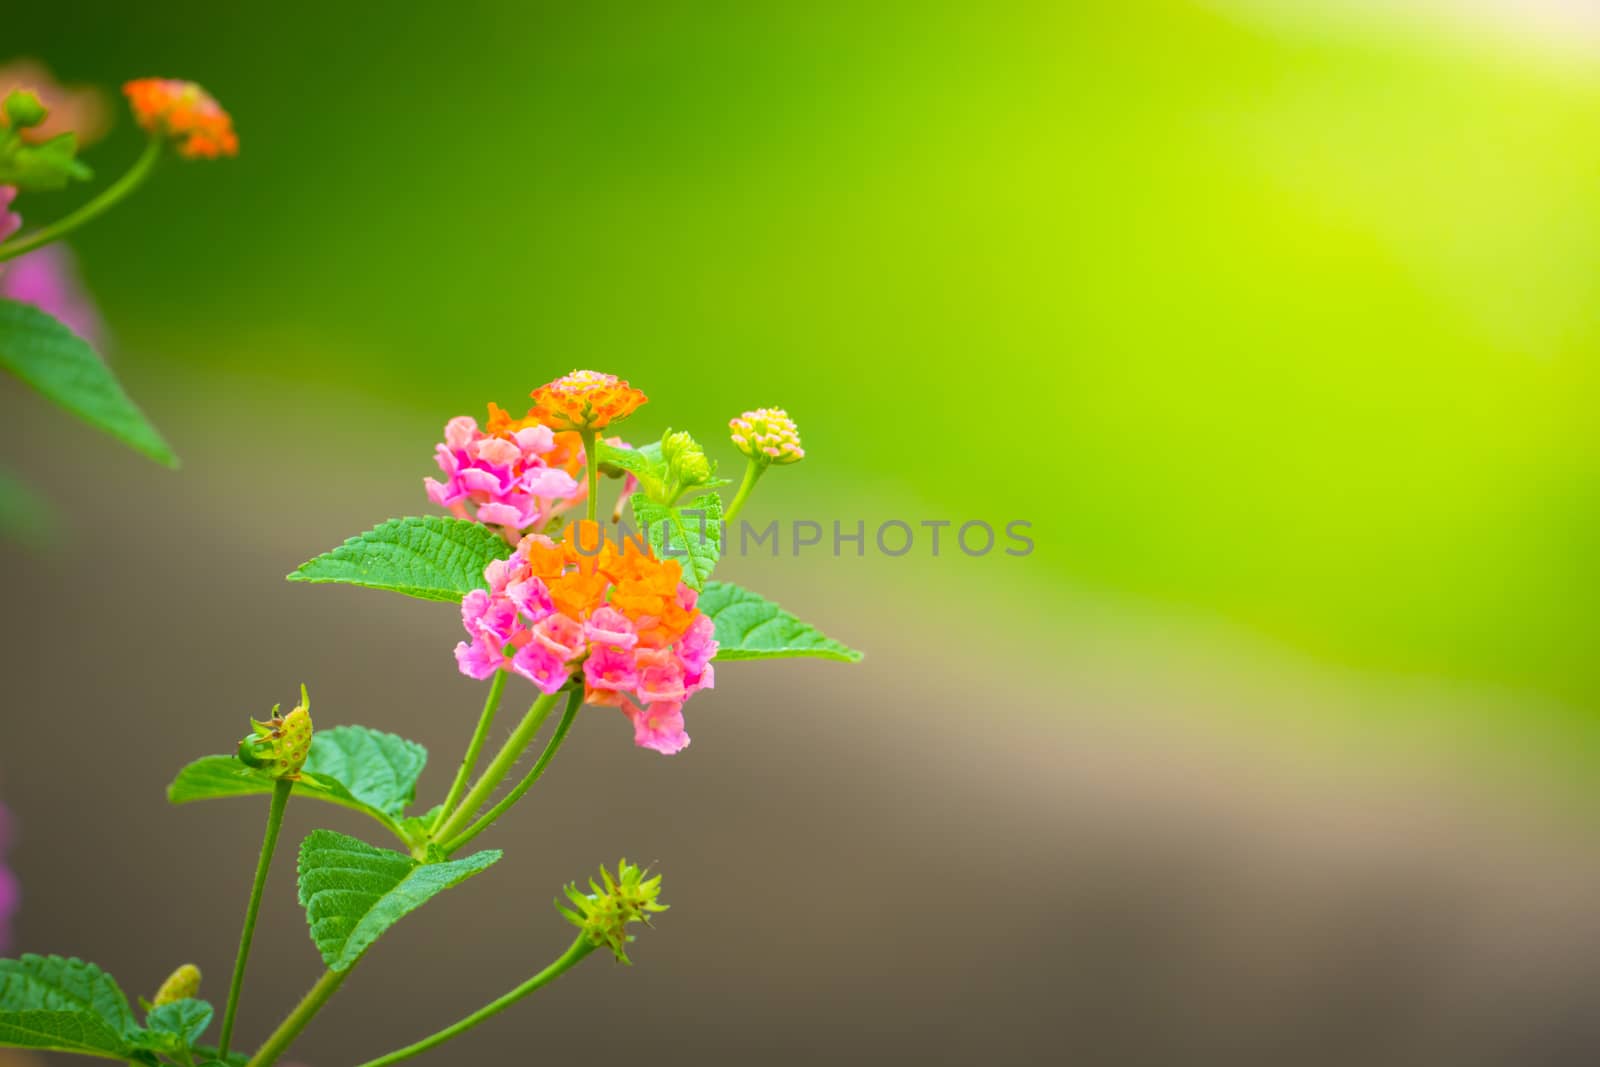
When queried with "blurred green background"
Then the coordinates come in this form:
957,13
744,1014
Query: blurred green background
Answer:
1284,330
1280,330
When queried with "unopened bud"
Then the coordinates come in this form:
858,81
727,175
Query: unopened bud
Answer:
604,913
23,109
685,459
768,436
183,984
279,746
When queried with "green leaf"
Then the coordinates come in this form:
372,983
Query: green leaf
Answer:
643,463
355,767
749,626
64,1005
42,167
430,558
694,539
208,1057
175,1026
353,892
380,770
62,366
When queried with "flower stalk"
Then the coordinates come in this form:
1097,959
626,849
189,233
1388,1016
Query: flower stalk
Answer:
574,702
469,762
580,948
499,767
109,198
269,844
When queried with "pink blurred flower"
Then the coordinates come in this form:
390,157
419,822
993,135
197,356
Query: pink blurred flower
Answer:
82,109
10,891
10,221
48,279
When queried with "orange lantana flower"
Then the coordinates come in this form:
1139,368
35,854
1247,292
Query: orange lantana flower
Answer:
585,400
185,113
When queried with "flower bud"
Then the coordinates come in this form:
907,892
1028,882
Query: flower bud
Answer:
686,460
183,984
279,746
768,436
23,109
604,913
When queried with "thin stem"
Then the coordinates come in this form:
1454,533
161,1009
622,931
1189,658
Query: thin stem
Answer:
501,766
574,702
592,453
752,474
280,800
469,762
114,192
298,1019
580,948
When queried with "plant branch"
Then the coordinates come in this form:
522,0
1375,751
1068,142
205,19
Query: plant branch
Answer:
298,1019
114,192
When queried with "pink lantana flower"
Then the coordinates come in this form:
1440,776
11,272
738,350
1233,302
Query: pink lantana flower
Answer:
512,474
657,726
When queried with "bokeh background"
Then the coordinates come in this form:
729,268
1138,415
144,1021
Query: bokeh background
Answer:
1276,320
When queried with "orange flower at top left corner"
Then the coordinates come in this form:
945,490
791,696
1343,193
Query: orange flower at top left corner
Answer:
186,114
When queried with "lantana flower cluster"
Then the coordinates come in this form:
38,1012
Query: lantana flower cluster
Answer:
767,435
184,113
516,474
589,611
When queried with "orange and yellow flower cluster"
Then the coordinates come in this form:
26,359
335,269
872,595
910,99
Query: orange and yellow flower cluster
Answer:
184,113
585,400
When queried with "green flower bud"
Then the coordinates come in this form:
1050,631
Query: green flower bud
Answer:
184,983
23,109
604,913
686,459
279,746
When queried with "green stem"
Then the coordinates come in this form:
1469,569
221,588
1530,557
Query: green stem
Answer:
752,474
574,702
591,452
280,800
298,1019
469,762
114,192
580,948
501,766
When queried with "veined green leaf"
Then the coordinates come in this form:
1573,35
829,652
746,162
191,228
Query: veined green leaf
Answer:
353,892
63,1005
430,558
355,767
62,366
174,1026
693,539
749,626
